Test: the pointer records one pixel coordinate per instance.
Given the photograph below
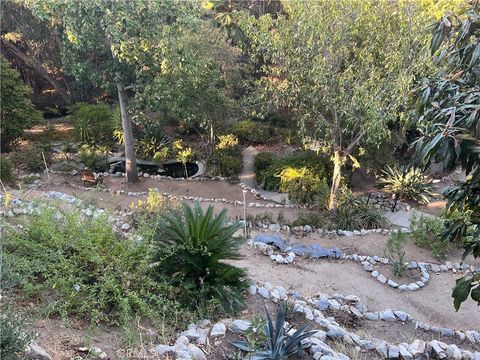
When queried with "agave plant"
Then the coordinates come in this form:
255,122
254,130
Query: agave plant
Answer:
279,346
191,249
410,184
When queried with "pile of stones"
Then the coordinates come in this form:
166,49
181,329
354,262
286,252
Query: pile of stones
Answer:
385,201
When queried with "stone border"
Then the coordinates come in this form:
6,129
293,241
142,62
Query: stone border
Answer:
312,308
266,244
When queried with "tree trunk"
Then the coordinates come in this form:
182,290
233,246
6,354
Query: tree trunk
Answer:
130,160
337,177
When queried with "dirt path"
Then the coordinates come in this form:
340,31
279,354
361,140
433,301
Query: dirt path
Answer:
431,304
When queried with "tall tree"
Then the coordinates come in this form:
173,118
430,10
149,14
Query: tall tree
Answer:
112,43
343,66
448,107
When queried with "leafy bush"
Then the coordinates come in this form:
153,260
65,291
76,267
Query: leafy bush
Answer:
93,157
94,123
354,213
6,170
278,345
230,166
304,187
250,132
262,162
394,250
78,266
32,158
13,337
191,248
227,142
426,232
145,214
408,184
17,110
269,176
227,157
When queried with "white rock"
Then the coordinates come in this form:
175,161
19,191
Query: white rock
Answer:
219,329
239,326
196,353
35,351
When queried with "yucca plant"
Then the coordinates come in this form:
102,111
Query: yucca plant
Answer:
191,249
408,184
151,138
279,346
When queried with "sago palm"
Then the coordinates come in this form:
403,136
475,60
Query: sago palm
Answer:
191,249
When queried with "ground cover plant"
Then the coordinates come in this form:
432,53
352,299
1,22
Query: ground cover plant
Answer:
190,248
77,266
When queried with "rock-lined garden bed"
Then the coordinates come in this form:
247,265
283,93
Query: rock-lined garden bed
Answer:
269,245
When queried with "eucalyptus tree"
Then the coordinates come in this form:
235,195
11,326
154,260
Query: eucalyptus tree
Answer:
448,107
345,67
113,43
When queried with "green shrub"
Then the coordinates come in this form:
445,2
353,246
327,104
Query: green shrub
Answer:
316,165
93,157
394,250
230,166
13,337
32,158
227,157
354,213
17,110
408,184
250,132
426,232
304,187
262,162
191,248
6,170
77,266
94,123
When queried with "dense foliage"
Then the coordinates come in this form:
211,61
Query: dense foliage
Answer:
191,248
448,108
17,110
326,60
6,170
77,266
94,123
